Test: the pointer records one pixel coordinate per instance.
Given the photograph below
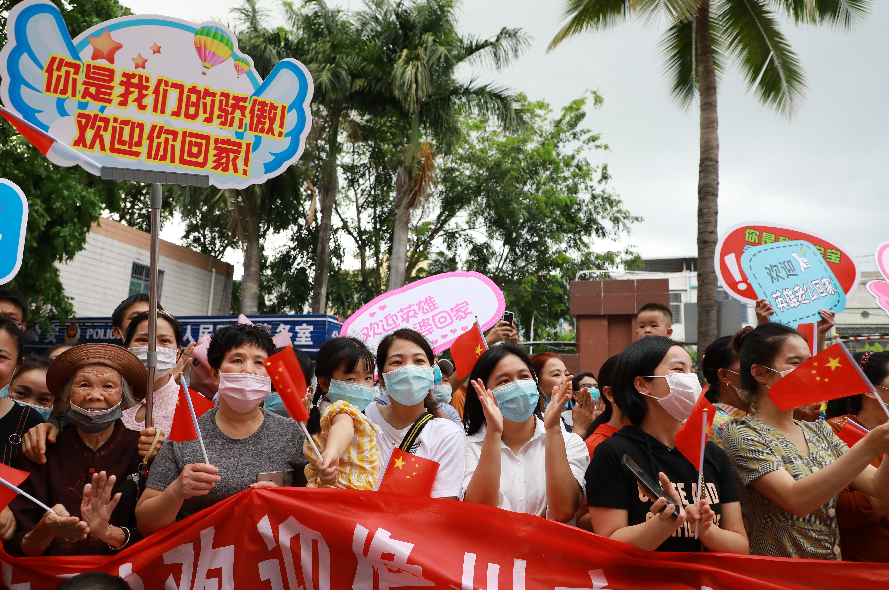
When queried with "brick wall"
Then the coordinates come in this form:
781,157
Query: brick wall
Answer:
98,277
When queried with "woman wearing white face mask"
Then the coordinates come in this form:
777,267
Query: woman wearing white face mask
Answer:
404,363
171,360
793,472
655,390
242,439
517,459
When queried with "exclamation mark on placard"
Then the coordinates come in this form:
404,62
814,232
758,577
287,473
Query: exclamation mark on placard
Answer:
732,263
282,121
248,151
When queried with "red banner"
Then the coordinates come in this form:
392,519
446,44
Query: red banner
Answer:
323,539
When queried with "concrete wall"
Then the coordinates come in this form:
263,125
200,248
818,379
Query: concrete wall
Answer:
98,277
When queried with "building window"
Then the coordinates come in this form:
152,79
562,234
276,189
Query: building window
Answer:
140,279
676,307
721,295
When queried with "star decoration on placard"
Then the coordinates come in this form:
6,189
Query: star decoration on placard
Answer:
834,364
140,61
104,47
155,48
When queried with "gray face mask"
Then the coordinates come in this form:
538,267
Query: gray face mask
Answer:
93,421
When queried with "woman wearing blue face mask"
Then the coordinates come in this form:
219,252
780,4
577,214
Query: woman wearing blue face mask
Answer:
514,459
655,390
404,364
350,457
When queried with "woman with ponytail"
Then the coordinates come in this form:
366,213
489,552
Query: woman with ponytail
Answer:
721,368
792,472
349,458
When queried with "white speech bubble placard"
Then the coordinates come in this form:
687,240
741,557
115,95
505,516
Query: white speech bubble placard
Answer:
440,307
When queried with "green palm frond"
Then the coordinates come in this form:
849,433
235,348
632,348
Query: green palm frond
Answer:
842,14
671,11
678,47
769,65
498,52
590,15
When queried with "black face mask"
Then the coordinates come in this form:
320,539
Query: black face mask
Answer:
93,421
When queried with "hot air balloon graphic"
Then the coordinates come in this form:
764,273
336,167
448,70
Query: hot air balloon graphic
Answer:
213,46
242,66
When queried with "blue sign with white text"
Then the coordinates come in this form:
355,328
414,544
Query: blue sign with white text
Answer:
307,332
795,279
13,221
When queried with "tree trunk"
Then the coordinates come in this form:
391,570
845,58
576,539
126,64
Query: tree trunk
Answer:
708,183
328,194
252,248
398,261
329,190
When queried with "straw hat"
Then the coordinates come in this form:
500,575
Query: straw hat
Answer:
110,355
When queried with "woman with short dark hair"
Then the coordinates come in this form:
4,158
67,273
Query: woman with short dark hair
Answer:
242,439
655,389
517,459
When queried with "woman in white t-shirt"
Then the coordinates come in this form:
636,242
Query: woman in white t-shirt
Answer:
516,459
404,363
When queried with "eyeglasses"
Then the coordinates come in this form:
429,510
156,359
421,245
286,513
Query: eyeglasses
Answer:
12,318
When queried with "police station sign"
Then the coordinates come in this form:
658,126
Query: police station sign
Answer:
153,93
307,332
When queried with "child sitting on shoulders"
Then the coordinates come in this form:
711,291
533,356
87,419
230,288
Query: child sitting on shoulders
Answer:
654,319
349,458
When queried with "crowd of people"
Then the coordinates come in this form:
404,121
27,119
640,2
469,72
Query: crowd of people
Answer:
519,433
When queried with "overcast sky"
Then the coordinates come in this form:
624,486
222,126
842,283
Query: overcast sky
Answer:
825,171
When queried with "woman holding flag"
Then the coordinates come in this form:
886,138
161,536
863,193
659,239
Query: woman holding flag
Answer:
242,439
792,472
96,518
655,390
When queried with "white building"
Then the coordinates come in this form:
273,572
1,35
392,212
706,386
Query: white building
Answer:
115,264
863,317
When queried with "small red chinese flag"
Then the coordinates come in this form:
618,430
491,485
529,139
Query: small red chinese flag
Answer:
289,381
830,374
848,430
182,429
13,476
467,348
409,474
688,439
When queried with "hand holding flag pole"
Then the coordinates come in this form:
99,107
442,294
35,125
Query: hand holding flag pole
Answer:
184,385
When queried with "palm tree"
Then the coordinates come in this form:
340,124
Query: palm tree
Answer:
703,36
329,45
417,50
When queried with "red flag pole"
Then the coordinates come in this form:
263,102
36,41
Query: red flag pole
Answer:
194,418
701,466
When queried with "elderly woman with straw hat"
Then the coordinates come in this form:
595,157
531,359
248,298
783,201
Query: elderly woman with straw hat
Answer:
89,475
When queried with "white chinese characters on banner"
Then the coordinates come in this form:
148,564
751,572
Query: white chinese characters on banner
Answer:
440,307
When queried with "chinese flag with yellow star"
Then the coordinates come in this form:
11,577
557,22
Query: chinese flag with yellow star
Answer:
466,349
830,374
409,474
289,381
182,428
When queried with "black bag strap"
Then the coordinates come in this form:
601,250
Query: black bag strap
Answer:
413,433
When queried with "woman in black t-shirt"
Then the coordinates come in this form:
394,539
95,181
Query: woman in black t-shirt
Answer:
655,390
